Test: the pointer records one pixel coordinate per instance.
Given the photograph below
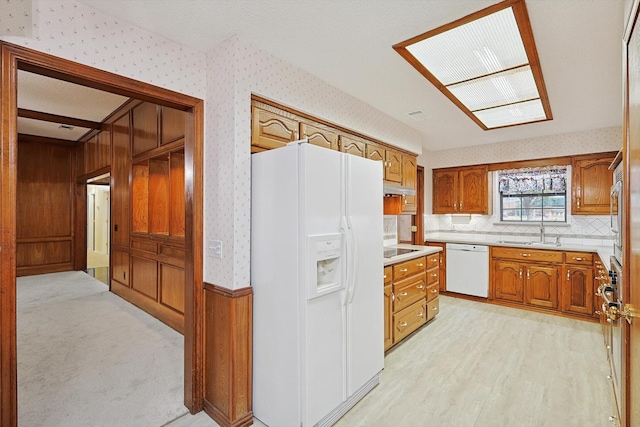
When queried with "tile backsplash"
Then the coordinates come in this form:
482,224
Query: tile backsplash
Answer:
592,227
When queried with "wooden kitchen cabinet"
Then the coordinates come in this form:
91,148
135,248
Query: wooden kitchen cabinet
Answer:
508,283
271,130
391,159
353,146
461,190
409,177
577,290
388,308
591,184
321,137
442,261
541,286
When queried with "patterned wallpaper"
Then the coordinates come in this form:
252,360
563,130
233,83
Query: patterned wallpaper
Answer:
581,227
15,17
82,34
235,71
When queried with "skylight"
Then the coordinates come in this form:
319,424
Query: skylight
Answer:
485,63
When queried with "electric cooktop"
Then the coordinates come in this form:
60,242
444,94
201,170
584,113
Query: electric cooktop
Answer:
390,253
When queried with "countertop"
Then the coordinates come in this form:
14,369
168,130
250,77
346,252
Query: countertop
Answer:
605,251
420,251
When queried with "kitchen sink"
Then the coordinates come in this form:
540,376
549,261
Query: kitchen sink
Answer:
513,242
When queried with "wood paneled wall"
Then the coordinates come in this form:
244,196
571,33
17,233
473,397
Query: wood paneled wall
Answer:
45,208
228,355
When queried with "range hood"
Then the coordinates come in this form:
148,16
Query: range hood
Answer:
396,189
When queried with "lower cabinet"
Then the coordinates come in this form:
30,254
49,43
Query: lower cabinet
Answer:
554,280
410,297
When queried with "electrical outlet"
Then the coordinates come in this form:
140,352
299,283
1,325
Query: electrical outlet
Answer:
214,249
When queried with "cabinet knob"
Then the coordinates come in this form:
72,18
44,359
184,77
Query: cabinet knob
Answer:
434,291
568,274
403,294
403,324
420,287
421,314
434,274
420,265
404,270
521,273
578,258
525,255
578,201
434,309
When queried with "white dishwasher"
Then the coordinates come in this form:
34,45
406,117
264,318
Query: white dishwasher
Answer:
468,269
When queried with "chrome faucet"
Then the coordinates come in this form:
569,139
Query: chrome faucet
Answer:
541,232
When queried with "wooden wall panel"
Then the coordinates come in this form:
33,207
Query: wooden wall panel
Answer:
159,196
172,287
91,154
45,208
140,199
120,267
145,125
228,355
120,165
173,122
144,276
177,213
104,148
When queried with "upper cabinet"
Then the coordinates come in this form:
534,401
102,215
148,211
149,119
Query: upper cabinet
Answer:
461,190
591,184
319,136
391,160
270,130
353,146
409,176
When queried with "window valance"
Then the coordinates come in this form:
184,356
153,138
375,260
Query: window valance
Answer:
551,179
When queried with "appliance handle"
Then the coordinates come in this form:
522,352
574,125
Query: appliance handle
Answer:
354,257
615,192
346,229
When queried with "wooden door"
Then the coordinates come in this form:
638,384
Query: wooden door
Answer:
541,286
472,191
508,280
393,169
592,181
409,174
319,136
445,189
353,146
270,130
631,236
577,290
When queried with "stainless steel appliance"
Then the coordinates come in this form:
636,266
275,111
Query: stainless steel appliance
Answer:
616,210
612,296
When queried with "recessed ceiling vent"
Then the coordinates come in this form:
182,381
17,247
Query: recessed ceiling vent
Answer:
67,127
419,115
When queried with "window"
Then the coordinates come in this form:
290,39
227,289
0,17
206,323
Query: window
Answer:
533,195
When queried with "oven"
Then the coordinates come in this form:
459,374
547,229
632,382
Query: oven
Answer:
615,212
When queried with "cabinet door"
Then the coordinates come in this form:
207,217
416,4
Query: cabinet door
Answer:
270,130
388,312
541,286
445,184
393,169
472,190
352,146
318,136
508,280
592,181
120,170
442,261
577,290
375,152
409,175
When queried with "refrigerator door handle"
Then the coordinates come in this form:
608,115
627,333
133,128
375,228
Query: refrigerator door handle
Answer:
346,229
354,257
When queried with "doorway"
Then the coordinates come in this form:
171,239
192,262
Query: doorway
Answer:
98,227
16,58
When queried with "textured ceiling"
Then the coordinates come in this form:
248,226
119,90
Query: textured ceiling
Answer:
348,44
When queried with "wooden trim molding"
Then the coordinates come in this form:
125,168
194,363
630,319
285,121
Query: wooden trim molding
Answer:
54,118
229,347
26,138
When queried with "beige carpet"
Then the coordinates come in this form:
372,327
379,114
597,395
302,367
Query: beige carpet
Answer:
88,358
97,260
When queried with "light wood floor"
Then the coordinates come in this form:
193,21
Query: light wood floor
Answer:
480,365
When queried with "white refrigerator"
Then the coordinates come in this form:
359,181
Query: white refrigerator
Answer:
317,277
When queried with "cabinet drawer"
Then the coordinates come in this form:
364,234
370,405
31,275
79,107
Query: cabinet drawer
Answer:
432,291
408,291
409,268
525,254
433,276
388,275
409,319
579,258
433,260
433,307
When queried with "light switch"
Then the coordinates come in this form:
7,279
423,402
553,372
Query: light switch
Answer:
214,249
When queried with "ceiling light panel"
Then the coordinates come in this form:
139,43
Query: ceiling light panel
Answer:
498,89
481,47
484,61
514,114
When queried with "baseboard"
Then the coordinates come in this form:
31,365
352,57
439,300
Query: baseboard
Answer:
245,420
